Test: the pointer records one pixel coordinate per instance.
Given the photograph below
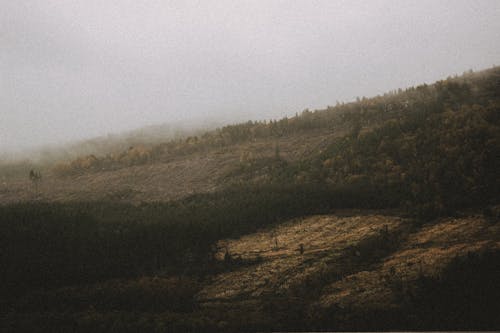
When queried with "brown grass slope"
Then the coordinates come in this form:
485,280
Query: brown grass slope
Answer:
357,270
352,267
178,176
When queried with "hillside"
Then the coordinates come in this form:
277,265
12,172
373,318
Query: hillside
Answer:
433,146
357,270
353,269
380,214
176,177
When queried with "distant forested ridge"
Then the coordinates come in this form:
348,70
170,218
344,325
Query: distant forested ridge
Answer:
433,148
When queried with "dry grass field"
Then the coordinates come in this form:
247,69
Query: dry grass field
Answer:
343,266
178,177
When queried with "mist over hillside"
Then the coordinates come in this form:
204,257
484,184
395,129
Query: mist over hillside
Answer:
153,134
358,216
405,143
72,71
249,166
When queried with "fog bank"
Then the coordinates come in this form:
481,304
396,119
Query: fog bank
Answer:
77,69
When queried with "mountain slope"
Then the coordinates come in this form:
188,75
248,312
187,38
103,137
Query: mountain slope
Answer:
379,214
357,270
431,147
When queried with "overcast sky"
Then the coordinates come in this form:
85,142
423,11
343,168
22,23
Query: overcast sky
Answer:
77,69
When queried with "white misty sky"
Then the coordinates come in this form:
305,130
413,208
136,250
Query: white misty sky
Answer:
77,69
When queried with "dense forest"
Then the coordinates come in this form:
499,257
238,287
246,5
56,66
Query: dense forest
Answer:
427,151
